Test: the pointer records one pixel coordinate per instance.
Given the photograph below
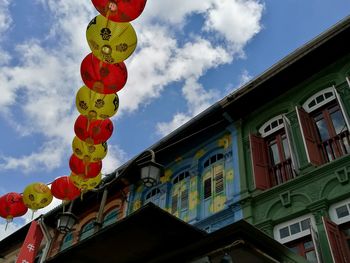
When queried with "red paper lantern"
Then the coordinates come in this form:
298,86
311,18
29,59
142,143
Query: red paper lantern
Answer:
120,10
102,77
85,169
63,188
93,131
11,205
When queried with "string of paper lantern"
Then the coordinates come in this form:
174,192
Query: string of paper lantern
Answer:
112,39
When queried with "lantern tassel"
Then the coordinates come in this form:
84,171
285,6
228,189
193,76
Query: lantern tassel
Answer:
7,222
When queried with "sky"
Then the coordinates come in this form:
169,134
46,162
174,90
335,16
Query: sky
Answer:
189,55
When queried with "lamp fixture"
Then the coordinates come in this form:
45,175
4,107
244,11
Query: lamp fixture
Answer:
66,220
226,259
150,171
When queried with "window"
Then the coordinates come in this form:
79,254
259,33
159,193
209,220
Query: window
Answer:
338,239
338,229
213,184
87,230
157,196
304,247
111,217
180,195
324,127
299,236
273,159
340,212
67,241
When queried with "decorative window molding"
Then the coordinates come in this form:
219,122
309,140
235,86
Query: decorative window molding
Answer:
319,99
213,159
294,229
67,241
340,212
87,230
181,176
111,217
271,126
157,196
180,194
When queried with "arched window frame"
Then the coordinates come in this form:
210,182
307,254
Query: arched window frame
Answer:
180,194
67,241
319,99
87,230
273,153
157,195
111,216
324,126
212,181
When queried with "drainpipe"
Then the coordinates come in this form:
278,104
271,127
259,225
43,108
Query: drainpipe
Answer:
48,239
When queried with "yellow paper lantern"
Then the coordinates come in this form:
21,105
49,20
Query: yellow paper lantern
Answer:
94,105
89,152
37,196
85,184
110,41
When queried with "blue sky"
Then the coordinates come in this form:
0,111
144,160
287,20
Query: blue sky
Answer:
190,54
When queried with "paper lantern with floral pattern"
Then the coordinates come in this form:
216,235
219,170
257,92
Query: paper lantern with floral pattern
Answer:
64,189
94,105
11,205
120,10
110,41
93,131
37,196
103,77
83,168
88,152
85,184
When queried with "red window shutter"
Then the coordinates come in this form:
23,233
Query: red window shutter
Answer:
310,137
335,241
260,161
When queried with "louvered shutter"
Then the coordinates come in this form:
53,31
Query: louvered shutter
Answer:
335,241
310,137
260,161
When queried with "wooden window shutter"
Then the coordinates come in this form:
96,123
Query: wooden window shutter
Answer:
260,161
310,137
335,240
219,179
207,188
174,203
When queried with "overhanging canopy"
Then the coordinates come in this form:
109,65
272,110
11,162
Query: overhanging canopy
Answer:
139,237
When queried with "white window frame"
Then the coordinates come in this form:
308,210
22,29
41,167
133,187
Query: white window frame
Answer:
302,233
318,105
333,214
272,130
348,81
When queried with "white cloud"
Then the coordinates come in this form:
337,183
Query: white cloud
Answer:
236,20
244,78
48,157
44,82
164,128
5,18
115,158
174,12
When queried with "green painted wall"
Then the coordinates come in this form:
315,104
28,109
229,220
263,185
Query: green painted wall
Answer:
315,188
